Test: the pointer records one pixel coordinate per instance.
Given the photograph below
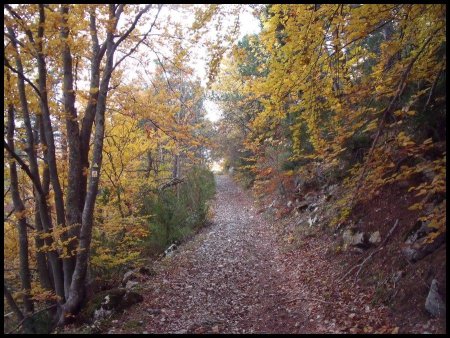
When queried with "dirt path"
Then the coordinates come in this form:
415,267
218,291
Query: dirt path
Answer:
244,274
228,279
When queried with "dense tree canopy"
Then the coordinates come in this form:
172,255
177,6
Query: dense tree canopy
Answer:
340,90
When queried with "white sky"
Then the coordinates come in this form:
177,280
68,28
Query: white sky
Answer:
248,25
183,14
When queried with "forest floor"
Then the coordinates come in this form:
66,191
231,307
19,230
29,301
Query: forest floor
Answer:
238,275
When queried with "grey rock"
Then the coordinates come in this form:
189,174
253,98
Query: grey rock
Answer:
153,311
422,230
375,237
311,196
147,271
331,189
312,220
131,284
298,182
129,275
170,250
410,254
396,276
101,313
354,239
434,303
347,236
419,249
358,239
116,300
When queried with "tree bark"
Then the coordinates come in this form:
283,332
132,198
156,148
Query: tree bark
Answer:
41,260
34,170
24,268
89,114
73,197
77,294
48,129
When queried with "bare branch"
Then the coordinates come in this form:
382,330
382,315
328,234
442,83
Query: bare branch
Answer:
136,19
132,50
24,168
21,75
386,111
171,183
12,303
33,314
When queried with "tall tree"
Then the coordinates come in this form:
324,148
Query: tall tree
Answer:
30,32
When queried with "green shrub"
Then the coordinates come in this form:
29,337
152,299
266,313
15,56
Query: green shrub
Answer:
177,212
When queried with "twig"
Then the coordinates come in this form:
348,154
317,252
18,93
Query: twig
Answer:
414,271
12,303
28,317
401,86
309,299
6,192
434,86
360,265
172,182
375,251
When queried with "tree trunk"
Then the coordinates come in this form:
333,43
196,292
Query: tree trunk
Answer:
89,114
73,196
41,195
41,261
24,268
48,129
77,289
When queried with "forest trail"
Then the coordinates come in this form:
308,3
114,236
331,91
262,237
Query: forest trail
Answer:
229,279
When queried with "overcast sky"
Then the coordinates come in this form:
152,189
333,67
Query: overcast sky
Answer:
249,25
184,16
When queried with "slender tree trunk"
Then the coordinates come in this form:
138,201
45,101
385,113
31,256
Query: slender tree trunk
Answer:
89,114
149,164
73,195
48,129
12,304
45,171
175,167
24,268
41,260
41,196
68,263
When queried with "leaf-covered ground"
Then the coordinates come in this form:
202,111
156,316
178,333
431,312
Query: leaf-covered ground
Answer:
238,276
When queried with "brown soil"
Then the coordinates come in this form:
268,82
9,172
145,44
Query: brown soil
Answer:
405,298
